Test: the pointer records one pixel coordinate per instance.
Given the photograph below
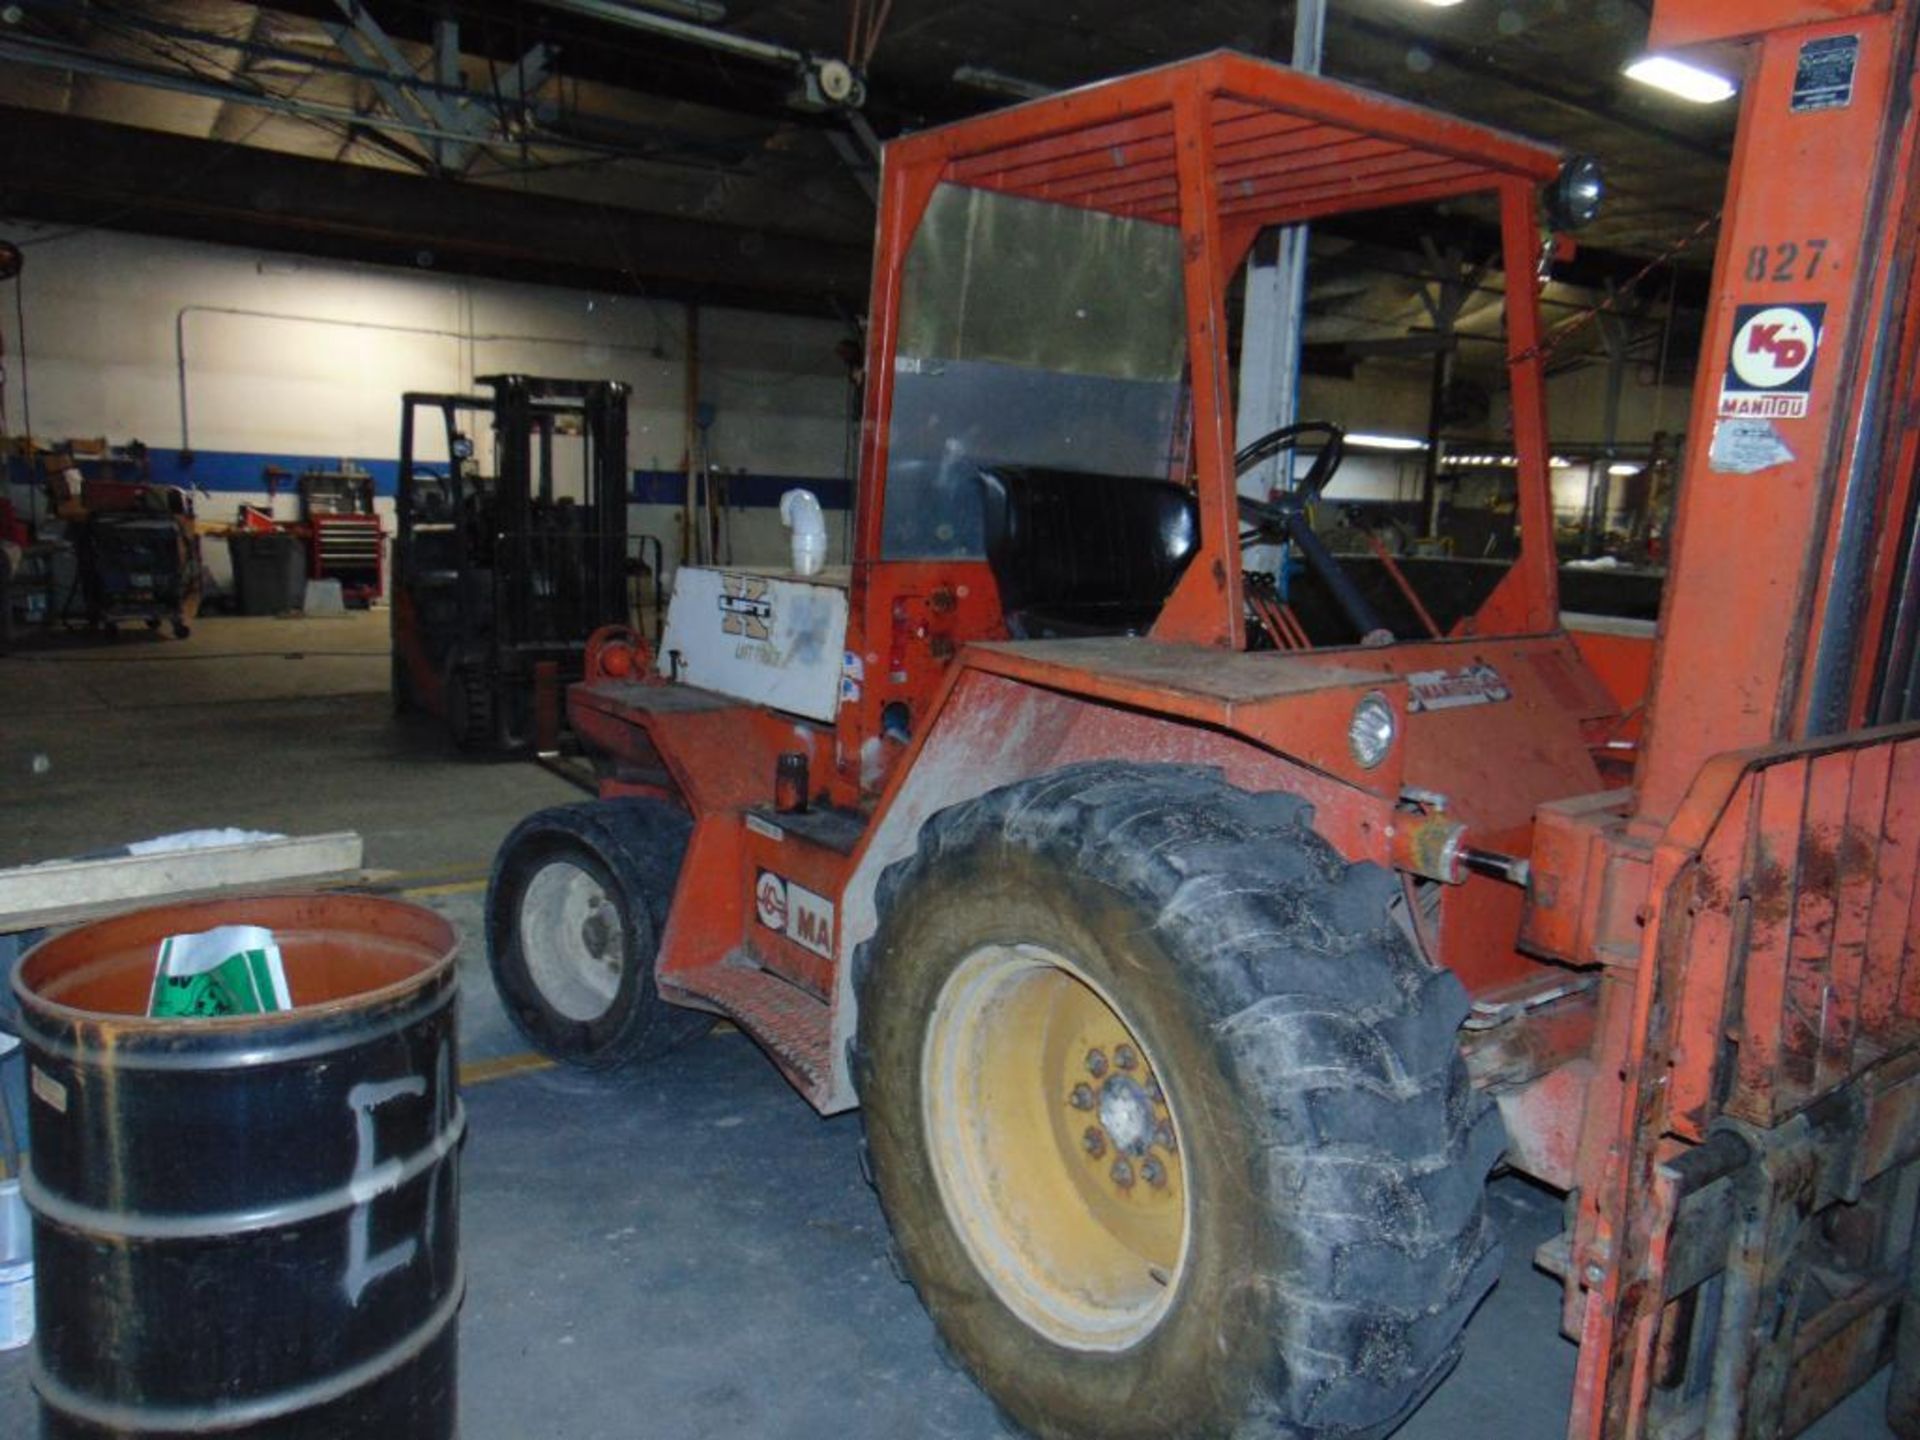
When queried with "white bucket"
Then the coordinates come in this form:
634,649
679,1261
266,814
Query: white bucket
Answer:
16,1268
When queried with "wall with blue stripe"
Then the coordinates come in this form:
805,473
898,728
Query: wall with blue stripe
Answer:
246,362
241,474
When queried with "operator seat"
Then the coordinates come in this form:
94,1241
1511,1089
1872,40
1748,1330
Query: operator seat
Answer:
1078,554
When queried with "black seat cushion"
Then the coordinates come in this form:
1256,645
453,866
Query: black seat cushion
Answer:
1076,553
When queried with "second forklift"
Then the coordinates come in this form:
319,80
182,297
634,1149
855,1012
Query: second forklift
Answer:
499,568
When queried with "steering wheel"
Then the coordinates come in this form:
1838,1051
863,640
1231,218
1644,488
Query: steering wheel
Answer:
1333,450
1287,515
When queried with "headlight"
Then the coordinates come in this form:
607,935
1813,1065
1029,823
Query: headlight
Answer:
1575,198
1370,732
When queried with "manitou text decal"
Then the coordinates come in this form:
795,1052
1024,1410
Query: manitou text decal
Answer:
795,911
1448,689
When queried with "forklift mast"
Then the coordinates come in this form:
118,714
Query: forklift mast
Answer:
1800,467
529,412
1741,1255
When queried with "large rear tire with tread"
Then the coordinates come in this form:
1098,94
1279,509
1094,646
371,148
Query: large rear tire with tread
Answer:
575,908
1167,1113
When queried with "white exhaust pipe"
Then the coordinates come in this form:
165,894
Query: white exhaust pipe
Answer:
800,511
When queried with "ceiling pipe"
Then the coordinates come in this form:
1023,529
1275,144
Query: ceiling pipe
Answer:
707,12
826,82
998,82
653,23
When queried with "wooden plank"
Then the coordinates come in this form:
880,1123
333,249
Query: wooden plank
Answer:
62,892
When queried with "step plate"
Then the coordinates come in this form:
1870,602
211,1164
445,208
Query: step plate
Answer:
795,1028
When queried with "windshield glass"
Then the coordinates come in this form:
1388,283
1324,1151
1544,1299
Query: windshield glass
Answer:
1031,334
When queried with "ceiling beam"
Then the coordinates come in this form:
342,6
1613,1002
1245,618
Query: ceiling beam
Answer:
88,172
595,50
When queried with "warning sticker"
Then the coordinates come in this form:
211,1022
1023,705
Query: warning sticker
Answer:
1746,447
1823,78
1770,365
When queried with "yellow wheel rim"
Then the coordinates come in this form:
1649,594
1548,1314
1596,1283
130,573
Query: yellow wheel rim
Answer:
1056,1146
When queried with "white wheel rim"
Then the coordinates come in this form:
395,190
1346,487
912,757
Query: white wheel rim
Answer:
572,940
1011,1110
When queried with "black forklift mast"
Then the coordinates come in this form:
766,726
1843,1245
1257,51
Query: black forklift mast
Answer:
569,586
494,574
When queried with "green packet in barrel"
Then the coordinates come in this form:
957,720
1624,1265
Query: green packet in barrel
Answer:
229,970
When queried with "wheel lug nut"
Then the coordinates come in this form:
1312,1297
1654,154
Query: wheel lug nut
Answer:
1124,1057
1096,1063
1122,1173
1153,1172
1082,1097
1163,1137
1095,1141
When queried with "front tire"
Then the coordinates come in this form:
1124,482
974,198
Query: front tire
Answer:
1298,1232
575,908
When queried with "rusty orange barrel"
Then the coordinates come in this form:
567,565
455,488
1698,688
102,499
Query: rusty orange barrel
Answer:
247,1226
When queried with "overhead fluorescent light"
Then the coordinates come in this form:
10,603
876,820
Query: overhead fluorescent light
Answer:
1677,77
1624,467
1441,4
1384,442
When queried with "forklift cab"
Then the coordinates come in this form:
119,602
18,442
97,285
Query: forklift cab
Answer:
1039,411
1048,447
1049,430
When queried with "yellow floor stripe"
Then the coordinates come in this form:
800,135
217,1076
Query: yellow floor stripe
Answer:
478,1072
429,875
457,887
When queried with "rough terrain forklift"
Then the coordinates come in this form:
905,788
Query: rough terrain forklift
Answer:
1191,991
498,571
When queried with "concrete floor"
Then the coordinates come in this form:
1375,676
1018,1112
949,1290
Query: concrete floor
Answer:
683,1252
263,723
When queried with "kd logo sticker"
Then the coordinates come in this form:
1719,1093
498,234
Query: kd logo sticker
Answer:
1769,374
1773,348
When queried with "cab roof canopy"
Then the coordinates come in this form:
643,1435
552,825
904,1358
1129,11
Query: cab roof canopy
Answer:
1286,146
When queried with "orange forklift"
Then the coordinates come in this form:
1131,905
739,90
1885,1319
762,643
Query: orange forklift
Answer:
1194,953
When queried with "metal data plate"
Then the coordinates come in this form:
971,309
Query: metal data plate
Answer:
758,637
